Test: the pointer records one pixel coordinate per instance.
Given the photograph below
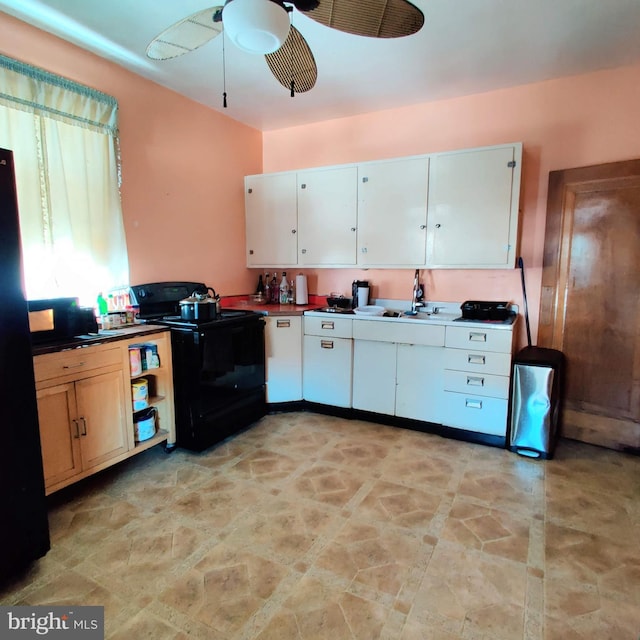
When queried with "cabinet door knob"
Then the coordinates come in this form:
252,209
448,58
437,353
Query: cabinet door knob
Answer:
303,251
353,228
438,226
293,230
423,226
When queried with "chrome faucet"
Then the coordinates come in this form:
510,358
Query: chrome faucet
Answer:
416,298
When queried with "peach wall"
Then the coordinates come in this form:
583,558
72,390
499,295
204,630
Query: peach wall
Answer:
182,189
571,122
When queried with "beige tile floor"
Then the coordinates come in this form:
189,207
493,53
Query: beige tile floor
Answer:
311,527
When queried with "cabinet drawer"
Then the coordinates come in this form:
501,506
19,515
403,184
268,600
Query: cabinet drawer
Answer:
481,384
75,363
478,361
333,327
476,413
500,340
401,332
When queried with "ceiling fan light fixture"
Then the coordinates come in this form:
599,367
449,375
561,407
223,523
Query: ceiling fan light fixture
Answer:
256,26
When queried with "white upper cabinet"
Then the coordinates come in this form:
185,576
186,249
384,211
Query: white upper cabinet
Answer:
327,216
473,208
392,212
271,219
454,210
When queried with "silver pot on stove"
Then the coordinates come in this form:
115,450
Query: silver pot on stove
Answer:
200,306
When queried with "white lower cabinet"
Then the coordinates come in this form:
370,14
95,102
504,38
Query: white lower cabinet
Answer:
327,361
476,379
374,376
419,393
397,369
283,356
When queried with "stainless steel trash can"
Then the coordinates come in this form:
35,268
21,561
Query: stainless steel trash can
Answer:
535,399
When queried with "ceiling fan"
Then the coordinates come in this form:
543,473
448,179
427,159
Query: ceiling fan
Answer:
264,27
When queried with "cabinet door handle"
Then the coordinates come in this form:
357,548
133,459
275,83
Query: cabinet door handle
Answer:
423,226
473,404
73,366
84,426
77,426
326,344
474,336
473,358
475,381
327,324
283,324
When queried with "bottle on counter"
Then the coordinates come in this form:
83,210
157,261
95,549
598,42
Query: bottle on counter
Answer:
267,288
291,294
260,287
284,289
275,290
102,305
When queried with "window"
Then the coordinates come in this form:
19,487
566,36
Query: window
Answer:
64,140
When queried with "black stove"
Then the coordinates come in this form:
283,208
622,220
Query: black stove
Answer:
218,364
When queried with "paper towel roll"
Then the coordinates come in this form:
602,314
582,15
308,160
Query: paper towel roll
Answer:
302,294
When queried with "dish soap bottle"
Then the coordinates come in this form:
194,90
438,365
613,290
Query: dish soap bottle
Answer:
284,289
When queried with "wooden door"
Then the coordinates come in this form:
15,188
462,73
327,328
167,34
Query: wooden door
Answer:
590,307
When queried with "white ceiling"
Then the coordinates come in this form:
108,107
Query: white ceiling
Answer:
465,47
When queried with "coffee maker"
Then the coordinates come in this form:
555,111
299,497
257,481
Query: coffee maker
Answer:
359,293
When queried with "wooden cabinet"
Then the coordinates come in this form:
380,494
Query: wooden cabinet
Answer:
397,368
271,220
327,217
283,356
392,212
81,410
85,407
476,379
327,359
474,207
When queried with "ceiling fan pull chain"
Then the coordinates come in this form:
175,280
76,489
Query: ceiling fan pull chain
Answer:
224,75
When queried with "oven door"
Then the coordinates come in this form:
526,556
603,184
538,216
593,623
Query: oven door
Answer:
219,379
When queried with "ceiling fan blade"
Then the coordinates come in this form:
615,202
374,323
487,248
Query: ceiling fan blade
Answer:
294,61
186,35
372,18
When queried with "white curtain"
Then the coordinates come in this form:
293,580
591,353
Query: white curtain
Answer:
65,147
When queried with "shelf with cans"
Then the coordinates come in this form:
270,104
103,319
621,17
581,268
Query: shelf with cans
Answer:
151,389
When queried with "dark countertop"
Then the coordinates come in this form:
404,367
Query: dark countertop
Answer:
110,335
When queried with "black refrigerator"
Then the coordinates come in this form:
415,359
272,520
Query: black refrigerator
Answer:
24,526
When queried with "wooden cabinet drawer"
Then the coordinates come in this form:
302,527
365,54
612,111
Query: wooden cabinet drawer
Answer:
400,332
480,338
330,326
476,413
478,361
481,384
75,362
